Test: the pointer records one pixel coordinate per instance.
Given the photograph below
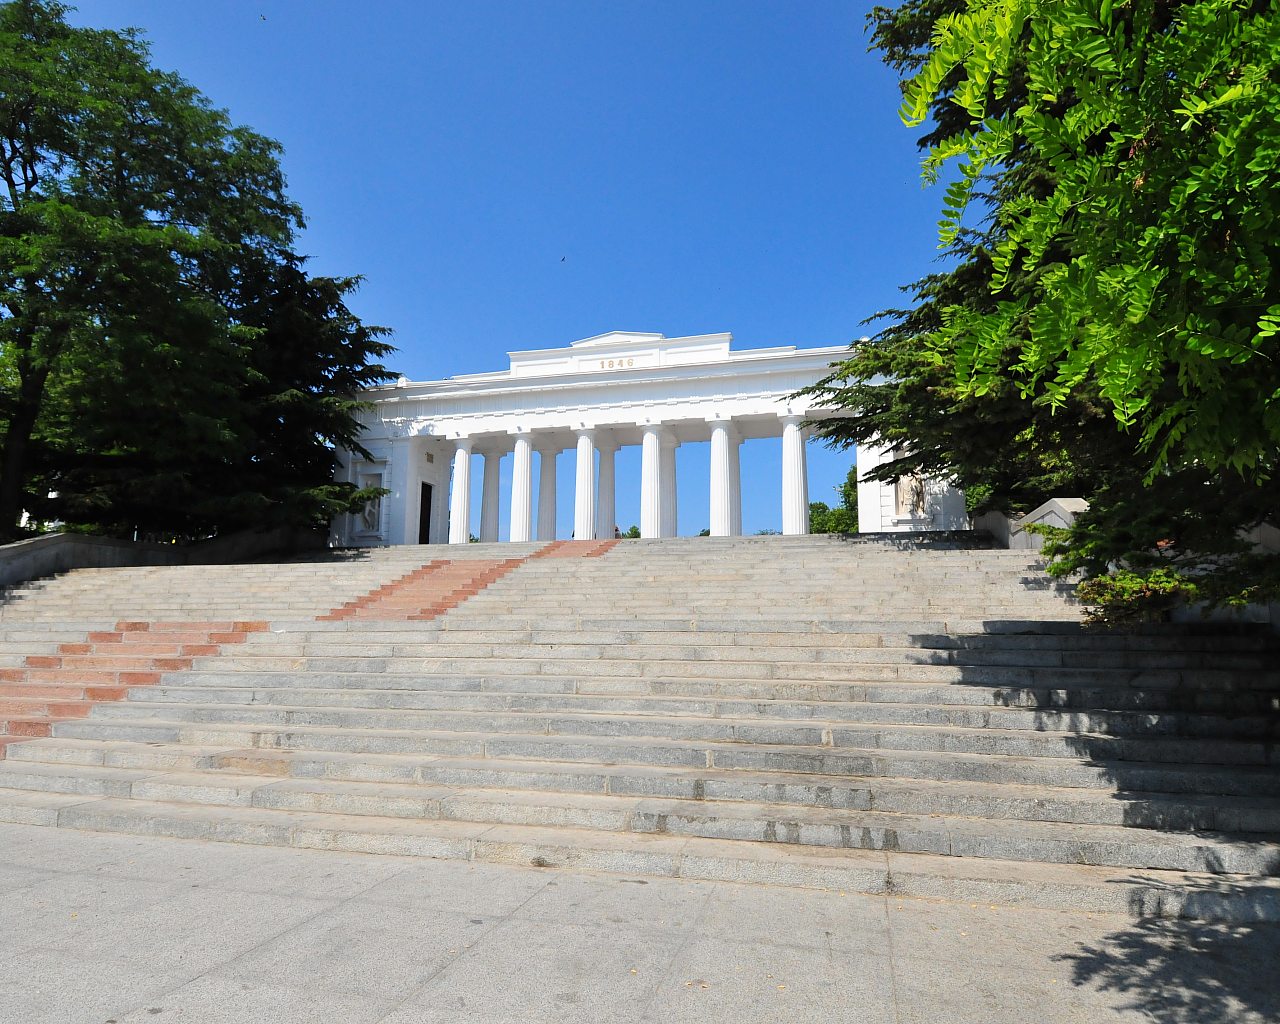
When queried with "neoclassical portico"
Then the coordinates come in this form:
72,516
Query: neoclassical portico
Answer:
594,397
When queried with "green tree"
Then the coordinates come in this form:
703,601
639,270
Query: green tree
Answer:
1156,247
982,378
900,387
843,518
1153,254
164,361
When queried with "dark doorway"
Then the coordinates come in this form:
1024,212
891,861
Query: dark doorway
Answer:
424,516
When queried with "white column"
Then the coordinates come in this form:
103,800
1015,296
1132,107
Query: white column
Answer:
345,472
402,514
522,488
721,480
668,473
584,499
735,485
795,478
460,494
489,497
651,481
440,509
547,493
605,491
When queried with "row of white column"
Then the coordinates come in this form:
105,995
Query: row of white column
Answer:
594,509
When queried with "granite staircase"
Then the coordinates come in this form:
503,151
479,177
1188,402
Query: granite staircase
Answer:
918,717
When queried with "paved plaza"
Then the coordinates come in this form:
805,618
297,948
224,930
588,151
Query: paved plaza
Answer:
103,929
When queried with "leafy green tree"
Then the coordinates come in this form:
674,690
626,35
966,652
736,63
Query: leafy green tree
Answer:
1157,246
844,517
164,360
1154,255
1106,327
900,387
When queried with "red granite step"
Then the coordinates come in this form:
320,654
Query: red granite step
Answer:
49,688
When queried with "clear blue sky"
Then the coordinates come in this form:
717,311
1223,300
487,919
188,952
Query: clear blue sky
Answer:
518,175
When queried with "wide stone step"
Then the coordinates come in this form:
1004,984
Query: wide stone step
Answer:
386,639
812,653
1008,733
1118,698
945,759
903,874
755,730
709,819
59,766
940,603
70,765
661,668
783,620
936,712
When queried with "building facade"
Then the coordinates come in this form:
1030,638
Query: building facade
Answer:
595,396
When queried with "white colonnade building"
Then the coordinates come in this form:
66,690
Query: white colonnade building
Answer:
594,397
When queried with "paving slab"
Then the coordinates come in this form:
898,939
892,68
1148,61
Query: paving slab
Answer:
128,929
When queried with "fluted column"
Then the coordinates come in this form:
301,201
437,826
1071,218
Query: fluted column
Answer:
795,478
547,493
735,485
651,481
402,502
721,480
668,472
460,493
605,491
440,513
522,488
489,497
584,498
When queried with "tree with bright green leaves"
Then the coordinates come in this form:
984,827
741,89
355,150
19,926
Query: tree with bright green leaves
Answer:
899,387
1156,248
1109,328
166,364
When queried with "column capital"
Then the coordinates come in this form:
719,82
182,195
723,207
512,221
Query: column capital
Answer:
792,418
724,423
464,443
520,433
585,431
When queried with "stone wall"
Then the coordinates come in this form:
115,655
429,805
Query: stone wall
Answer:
59,552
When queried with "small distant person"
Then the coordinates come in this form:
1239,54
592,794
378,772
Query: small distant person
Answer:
617,534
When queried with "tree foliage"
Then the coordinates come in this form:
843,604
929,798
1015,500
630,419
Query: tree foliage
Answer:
899,387
1106,324
165,361
1155,250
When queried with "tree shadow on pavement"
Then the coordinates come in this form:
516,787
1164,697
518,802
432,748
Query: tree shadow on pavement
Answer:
1178,971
